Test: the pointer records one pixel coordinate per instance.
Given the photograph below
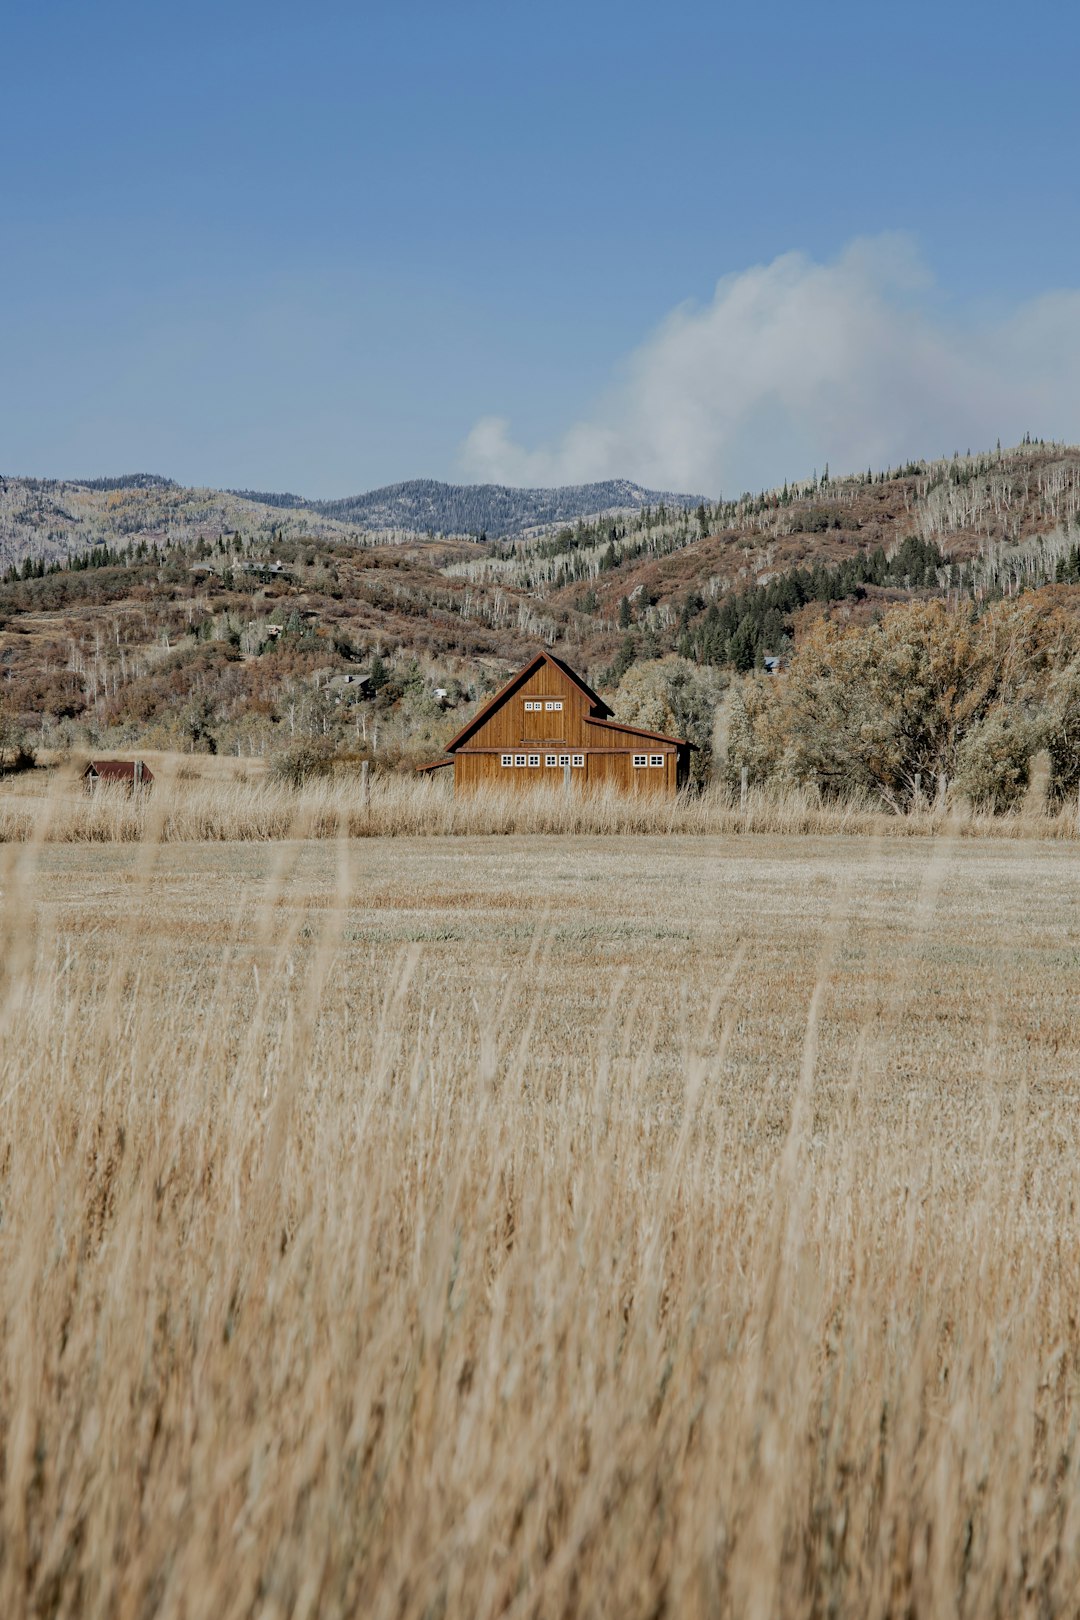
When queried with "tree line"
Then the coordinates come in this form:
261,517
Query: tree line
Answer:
884,710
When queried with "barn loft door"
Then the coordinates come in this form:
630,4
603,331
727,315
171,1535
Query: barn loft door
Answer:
543,719
531,719
551,720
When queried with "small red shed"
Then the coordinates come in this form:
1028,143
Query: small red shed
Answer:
131,774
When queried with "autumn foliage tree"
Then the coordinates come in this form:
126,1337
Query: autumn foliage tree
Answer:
677,698
927,691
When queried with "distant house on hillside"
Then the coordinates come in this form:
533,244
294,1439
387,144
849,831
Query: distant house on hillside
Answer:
547,727
131,774
266,569
350,687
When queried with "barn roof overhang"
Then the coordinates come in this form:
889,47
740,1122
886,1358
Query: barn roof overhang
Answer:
639,731
435,765
596,702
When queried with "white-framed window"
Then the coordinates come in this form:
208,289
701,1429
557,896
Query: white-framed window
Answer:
640,760
656,761
508,759
554,708
533,706
578,761
564,759
534,759
551,759
519,759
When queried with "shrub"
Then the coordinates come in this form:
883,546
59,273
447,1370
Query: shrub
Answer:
993,762
21,757
302,762
16,752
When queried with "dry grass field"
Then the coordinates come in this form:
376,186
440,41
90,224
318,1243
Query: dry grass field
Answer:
539,1225
204,799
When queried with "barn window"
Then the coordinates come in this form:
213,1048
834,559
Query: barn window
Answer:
533,707
551,759
640,760
534,759
578,761
564,759
508,759
519,759
554,708
656,761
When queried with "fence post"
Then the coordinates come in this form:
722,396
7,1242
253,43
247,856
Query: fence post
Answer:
566,781
365,782
918,789
942,789
744,783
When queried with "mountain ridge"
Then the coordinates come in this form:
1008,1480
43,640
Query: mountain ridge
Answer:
425,505
51,519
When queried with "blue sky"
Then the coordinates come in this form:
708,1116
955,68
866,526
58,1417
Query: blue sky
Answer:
324,247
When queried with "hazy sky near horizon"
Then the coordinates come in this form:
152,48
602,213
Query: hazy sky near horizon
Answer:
331,246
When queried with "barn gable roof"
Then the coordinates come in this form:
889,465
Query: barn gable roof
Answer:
600,708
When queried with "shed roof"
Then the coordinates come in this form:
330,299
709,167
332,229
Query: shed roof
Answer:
639,731
117,770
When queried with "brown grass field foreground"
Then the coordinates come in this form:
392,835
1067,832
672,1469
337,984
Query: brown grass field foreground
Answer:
225,804
625,1226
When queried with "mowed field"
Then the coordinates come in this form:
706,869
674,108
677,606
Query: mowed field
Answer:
552,1225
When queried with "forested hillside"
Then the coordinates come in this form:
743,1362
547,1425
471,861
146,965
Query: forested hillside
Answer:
48,520
260,627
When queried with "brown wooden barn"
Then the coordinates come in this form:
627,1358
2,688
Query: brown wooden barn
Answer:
548,726
120,773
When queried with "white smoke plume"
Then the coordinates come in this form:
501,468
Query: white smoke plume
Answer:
793,364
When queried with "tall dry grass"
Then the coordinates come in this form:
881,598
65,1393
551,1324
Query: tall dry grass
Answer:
324,1294
182,810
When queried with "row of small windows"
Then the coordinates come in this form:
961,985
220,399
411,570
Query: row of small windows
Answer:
539,706
575,761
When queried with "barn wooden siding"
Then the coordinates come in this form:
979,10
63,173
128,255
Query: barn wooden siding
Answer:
547,713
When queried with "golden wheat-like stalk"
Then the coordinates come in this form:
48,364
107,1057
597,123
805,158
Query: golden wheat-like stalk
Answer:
182,810
563,1270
